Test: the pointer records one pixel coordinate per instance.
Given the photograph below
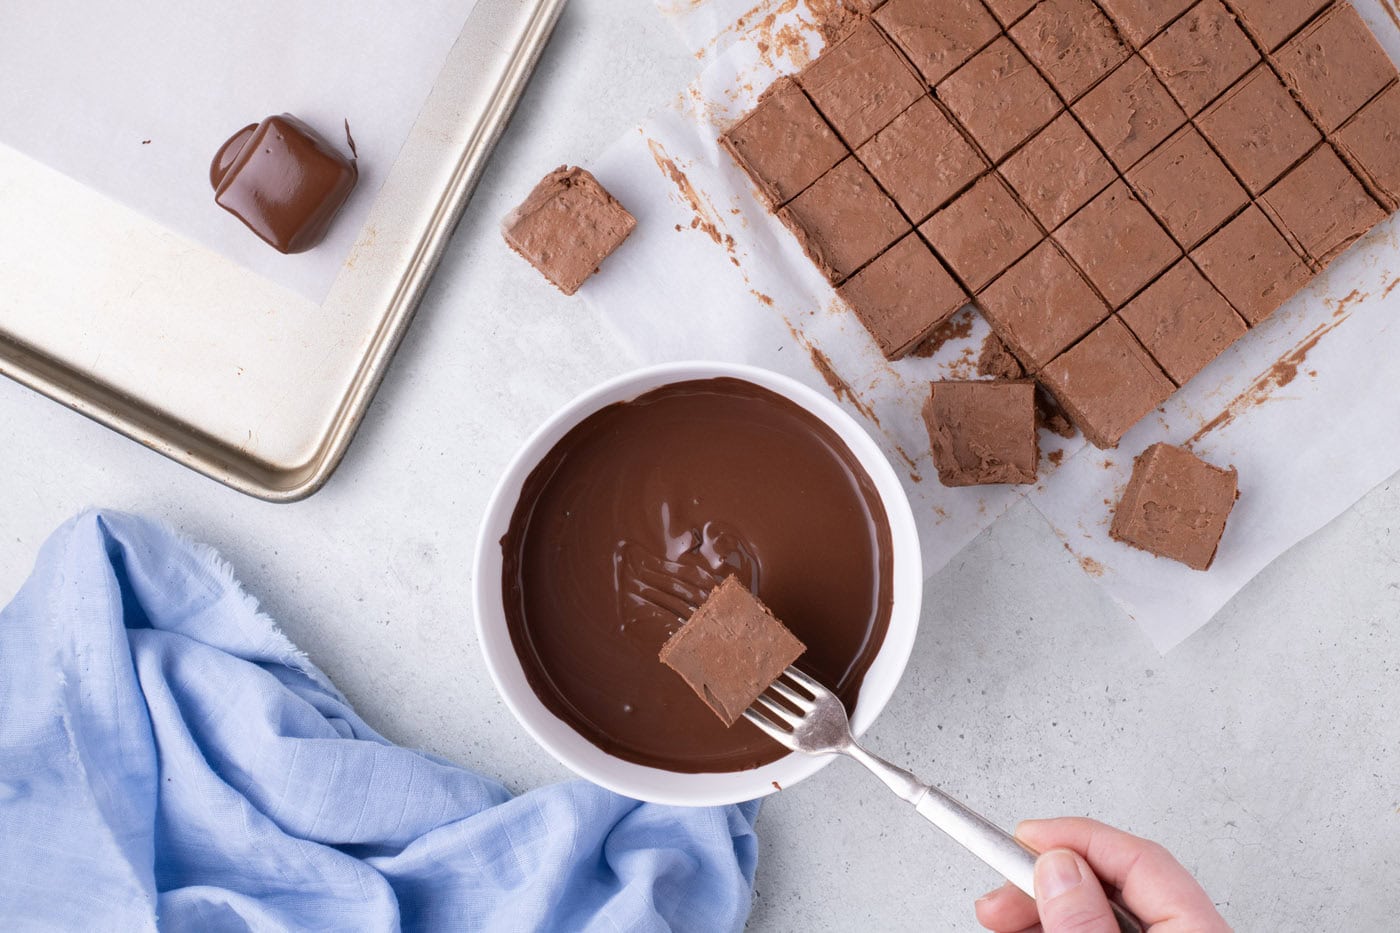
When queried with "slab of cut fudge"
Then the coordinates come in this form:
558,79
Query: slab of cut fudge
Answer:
922,159
1259,129
861,84
982,232
784,144
1252,265
1130,113
731,650
1183,321
1058,172
1322,206
844,220
567,226
1335,65
1008,11
1000,98
902,296
1071,42
1188,187
1371,139
938,35
1041,306
1201,54
1176,506
983,433
1140,20
1107,383
1118,244
1272,21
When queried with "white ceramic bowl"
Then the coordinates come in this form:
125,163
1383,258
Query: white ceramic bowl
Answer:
639,781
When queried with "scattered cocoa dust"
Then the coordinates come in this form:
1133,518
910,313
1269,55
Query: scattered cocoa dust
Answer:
765,299
1056,457
996,361
904,455
1090,566
957,327
838,385
1282,372
706,218
1390,288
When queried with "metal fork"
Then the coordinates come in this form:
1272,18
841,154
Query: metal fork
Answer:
816,724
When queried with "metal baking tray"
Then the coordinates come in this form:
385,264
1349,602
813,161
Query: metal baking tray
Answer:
212,365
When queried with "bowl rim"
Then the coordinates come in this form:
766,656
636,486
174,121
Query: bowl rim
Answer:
643,782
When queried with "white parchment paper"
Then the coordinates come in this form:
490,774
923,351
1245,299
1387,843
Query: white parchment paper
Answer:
134,97
1306,406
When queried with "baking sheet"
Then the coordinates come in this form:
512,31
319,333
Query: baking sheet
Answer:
1307,405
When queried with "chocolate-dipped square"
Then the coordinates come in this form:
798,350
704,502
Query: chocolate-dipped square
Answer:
567,226
1183,322
1259,129
1117,243
1071,42
1000,98
922,159
1371,139
983,433
284,181
1058,172
1272,21
1008,11
1201,54
1252,265
1041,306
1140,20
1322,206
982,232
731,650
903,296
844,220
783,144
861,84
1129,113
1188,187
938,35
1335,65
1107,383
1176,506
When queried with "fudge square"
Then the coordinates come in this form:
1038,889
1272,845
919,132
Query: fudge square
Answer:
1371,139
731,650
568,225
1322,206
1000,98
1272,21
843,220
1107,383
1201,54
783,144
938,35
1188,187
1041,306
1259,129
1058,172
983,433
1176,506
1335,65
922,159
1140,20
1071,42
861,84
1130,113
1117,243
902,296
982,232
1183,322
1252,265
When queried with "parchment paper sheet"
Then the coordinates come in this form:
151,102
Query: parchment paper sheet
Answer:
1307,406
134,97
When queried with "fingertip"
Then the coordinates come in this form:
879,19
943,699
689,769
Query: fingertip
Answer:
1006,908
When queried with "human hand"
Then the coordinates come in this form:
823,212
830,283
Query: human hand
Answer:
1070,899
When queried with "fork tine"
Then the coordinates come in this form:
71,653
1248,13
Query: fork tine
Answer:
775,710
773,731
792,696
807,683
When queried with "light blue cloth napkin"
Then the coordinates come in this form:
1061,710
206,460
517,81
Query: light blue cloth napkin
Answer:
168,757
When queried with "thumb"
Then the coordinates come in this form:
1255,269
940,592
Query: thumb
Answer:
1069,896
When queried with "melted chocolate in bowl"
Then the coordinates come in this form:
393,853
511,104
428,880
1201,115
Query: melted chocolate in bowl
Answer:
639,510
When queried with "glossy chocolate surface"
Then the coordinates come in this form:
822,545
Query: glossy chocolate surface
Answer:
639,511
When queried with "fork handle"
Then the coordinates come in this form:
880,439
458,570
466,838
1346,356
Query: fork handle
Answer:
974,832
